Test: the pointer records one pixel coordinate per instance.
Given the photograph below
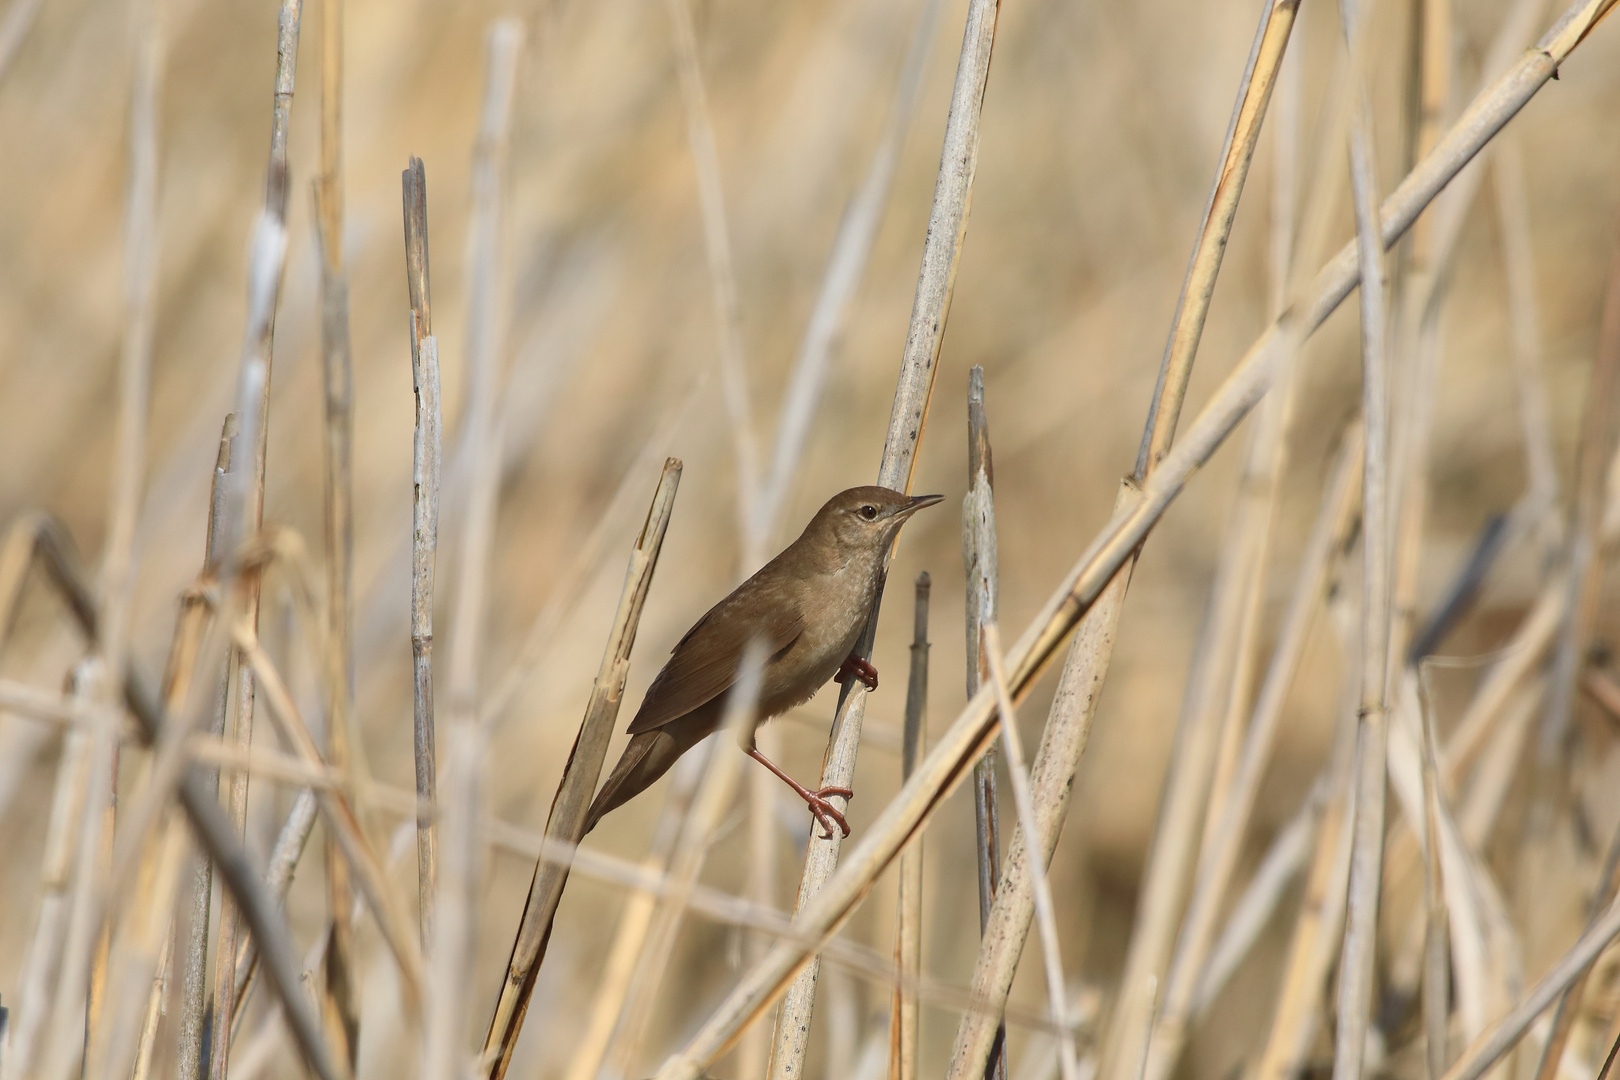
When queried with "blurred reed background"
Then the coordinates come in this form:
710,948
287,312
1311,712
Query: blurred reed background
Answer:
582,280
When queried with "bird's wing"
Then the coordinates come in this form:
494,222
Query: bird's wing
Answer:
704,663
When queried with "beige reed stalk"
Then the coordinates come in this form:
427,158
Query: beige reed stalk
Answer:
947,225
88,940
1186,782
342,975
980,572
1356,977
1436,929
904,1014
1218,859
961,743
246,500
461,802
566,820
194,950
426,454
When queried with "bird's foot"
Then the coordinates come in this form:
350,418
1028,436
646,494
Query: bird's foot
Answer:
826,814
854,667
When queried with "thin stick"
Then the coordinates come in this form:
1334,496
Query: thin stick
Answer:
903,1014
947,226
455,905
1436,957
194,950
246,516
426,454
341,984
979,563
566,820
1045,911
960,744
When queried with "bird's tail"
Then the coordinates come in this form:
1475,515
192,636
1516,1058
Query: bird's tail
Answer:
637,768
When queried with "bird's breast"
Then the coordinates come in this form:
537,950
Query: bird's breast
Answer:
835,609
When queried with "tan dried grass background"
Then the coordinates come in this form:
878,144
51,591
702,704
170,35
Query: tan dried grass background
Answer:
1102,125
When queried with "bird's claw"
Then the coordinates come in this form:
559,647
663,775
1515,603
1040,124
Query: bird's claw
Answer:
854,667
826,814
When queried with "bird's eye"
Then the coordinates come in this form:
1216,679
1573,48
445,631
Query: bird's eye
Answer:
869,512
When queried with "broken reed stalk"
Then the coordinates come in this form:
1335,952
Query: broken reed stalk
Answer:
980,567
566,820
942,249
246,501
52,548
1045,911
1568,1009
1218,858
972,729
343,745
455,904
194,950
1356,976
903,1013
426,454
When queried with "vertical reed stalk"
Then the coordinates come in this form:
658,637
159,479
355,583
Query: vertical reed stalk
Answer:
947,226
342,983
1367,844
247,488
1436,956
979,563
425,460
904,1014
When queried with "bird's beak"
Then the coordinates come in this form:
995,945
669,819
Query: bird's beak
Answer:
917,503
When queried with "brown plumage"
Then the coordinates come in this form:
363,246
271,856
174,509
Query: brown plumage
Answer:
808,605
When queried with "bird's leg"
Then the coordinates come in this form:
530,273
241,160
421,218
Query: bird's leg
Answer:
825,812
854,667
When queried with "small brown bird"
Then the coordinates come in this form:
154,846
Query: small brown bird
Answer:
808,605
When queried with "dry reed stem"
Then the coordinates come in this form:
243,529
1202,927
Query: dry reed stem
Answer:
959,746
942,249
455,905
246,503
194,949
1172,849
343,749
88,937
566,820
722,274
1356,977
41,963
981,575
1436,956
1045,911
1311,947
426,455
1287,855
1218,859
904,1014
1243,134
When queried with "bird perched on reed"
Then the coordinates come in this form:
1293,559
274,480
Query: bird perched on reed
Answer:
808,607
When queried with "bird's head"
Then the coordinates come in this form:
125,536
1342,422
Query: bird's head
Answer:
865,518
